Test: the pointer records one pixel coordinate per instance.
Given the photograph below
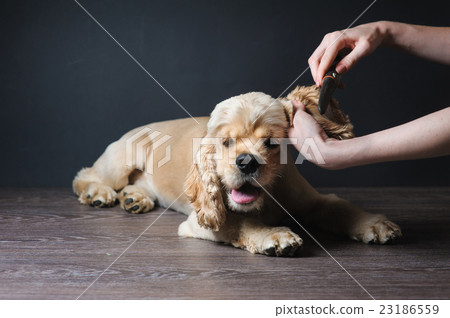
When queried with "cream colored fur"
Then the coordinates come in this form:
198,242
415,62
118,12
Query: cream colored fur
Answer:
197,181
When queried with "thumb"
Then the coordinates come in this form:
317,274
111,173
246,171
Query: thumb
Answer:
298,105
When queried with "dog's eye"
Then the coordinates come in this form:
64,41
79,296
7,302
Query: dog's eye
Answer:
227,142
271,143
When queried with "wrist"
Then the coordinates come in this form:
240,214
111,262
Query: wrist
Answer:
341,154
334,153
386,31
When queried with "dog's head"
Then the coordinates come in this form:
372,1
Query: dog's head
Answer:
239,156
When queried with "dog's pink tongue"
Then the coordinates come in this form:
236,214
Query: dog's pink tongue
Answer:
244,195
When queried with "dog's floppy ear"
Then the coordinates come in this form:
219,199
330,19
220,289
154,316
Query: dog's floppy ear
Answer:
203,189
288,110
334,122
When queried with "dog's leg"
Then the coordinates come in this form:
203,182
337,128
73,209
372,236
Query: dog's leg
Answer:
261,239
329,212
246,233
138,197
97,185
340,216
95,193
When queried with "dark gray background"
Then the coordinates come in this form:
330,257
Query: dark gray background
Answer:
67,90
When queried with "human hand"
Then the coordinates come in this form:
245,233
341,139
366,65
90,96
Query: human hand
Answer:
304,127
361,40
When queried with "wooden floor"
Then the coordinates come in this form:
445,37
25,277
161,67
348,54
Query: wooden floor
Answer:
51,247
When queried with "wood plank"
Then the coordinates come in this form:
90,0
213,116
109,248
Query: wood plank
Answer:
52,247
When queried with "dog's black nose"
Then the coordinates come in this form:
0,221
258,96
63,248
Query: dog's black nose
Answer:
247,163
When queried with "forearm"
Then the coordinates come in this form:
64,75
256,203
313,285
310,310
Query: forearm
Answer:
432,43
428,136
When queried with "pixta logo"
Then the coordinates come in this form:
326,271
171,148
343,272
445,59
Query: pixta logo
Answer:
140,150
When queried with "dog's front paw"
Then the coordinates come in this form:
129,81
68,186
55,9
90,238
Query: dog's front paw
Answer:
378,230
134,201
279,242
98,195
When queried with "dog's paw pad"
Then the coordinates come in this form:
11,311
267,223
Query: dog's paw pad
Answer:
135,202
380,232
133,208
98,195
283,243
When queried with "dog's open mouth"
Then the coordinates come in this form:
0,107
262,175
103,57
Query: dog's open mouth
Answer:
245,194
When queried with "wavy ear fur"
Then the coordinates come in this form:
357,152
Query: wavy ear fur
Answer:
288,110
335,123
204,191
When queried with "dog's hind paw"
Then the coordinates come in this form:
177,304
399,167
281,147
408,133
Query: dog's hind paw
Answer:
134,201
98,195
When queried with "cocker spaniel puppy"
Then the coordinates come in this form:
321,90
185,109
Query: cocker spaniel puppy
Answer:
231,174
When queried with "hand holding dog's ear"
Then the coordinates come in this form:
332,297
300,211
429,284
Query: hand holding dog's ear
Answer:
334,122
304,126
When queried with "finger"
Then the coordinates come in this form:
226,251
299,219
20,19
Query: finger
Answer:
314,60
360,50
298,105
313,67
327,59
301,116
316,57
